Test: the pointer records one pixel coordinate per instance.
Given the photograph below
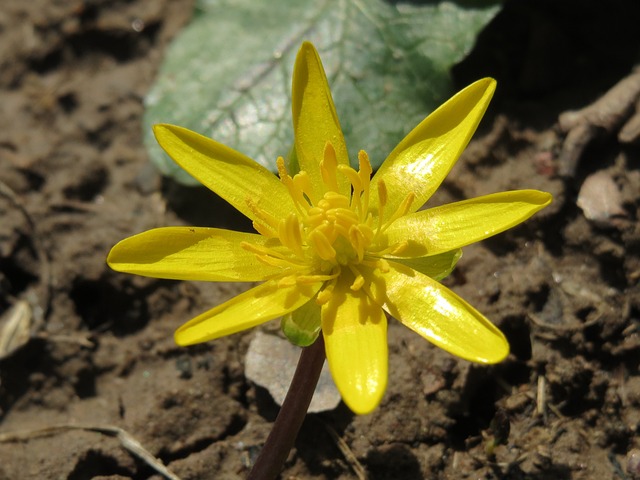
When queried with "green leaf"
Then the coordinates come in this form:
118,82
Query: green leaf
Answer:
228,75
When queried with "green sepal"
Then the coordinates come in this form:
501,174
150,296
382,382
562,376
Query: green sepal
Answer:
302,326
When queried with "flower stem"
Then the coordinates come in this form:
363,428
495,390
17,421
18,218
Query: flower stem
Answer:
294,408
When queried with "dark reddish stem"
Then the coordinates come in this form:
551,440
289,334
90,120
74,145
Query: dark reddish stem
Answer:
294,408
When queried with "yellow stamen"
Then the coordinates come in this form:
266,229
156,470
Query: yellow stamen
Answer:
288,281
394,250
297,195
328,166
398,248
264,230
334,200
308,279
302,183
290,235
359,280
265,223
365,177
353,177
401,211
379,263
270,256
325,294
337,229
382,201
382,193
358,241
321,245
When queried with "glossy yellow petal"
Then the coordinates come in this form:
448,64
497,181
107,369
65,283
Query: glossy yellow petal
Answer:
355,334
230,174
458,224
435,266
192,253
437,314
315,121
253,307
423,159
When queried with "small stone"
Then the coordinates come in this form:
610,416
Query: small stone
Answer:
600,198
633,464
271,362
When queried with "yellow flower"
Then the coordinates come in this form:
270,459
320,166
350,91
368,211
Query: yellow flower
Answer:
337,248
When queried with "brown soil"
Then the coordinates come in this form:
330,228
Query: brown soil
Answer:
74,180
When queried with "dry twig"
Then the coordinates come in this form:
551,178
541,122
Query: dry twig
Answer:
607,115
127,441
356,466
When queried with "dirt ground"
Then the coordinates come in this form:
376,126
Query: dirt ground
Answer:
100,371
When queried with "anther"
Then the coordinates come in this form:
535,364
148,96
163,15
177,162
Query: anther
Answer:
296,193
402,209
302,183
288,281
383,265
359,280
358,241
290,235
365,177
328,167
321,245
270,256
399,248
265,223
309,279
364,166
353,178
382,201
264,229
357,283
382,193
325,295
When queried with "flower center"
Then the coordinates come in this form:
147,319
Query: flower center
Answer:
336,229
330,233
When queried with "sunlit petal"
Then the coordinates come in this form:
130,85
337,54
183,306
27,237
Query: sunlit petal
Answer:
192,253
258,305
233,176
437,314
423,159
458,224
315,121
355,333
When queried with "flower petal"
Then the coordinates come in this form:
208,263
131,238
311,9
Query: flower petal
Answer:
315,121
253,307
435,266
455,225
423,159
192,253
230,174
355,334
437,314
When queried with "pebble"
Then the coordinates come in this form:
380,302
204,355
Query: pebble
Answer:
599,198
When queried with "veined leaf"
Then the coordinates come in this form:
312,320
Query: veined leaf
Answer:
228,75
